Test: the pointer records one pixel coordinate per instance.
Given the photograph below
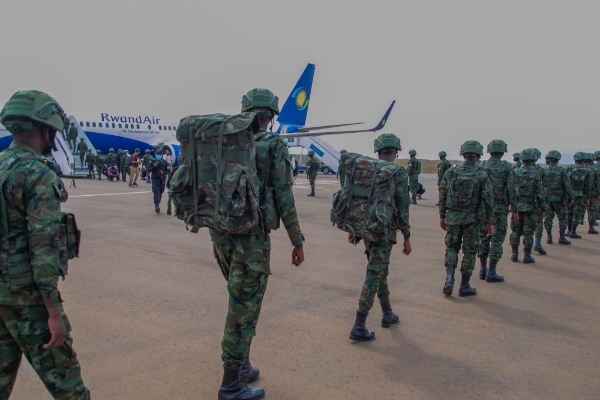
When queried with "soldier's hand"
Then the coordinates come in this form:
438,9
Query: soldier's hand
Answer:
489,229
350,238
443,224
571,203
298,255
586,203
214,249
57,329
407,249
547,206
514,217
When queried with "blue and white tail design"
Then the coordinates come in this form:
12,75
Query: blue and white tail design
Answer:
295,109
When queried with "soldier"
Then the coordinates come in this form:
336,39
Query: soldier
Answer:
502,176
112,161
82,148
90,160
72,136
245,259
531,198
312,167
413,169
65,131
539,225
560,197
579,178
597,166
119,155
341,172
32,319
158,170
517,160
464,190
378,253
145,161
594,193
442,167
125,170
100,163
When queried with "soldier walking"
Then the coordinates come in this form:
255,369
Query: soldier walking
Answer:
539,225
82,148
579,178
443,166
502,176
32,320
560,197
111,161
312,167
125,170
413,169
341,172
145,161
100,163
158,171
72,136
531,198
90,160
592,207
463,191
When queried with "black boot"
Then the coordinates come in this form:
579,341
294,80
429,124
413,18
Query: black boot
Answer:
413,200
492,276
359,331
157,208
232,388
449,285
515,253
591,229
574,234
538,245
248,373
549,234
388,317
562,238
569,228
465,288
483,269
527,259
312,193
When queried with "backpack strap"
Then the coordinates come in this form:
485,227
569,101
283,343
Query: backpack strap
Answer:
192,166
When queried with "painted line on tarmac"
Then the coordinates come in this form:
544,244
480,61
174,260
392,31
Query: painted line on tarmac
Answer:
108,194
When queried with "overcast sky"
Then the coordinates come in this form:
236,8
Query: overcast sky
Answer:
523,71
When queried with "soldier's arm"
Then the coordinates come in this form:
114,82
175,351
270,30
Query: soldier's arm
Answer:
443,191
402,196
567,186
541,194
41,200
511,187
487,196
281,179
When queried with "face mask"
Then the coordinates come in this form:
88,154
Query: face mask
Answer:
159,157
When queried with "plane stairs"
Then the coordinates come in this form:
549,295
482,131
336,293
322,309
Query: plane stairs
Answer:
69,162
323,150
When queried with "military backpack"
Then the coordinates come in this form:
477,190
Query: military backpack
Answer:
554,176
366,206
578,176
525,183
498,174
463,189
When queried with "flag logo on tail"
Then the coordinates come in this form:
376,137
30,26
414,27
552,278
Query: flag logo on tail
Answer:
301,98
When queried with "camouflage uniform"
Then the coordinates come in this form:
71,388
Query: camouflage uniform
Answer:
112,161
312,168
517,160
125,170
100,161
594,192
341,172
145,161
413,169
559,197
82,148
33,260
90,160
442,167
579,178
73,136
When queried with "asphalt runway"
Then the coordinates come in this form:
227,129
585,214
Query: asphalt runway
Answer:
147,303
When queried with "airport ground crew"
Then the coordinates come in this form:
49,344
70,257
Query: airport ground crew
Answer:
82,148
443,166
32,320
312,168
112,160
134,168
413,169
72,136
341,172
100,163
539,225
594,193
158,171
378,253
466,201
531,198
502,176
247,271
90,160
579,178
125,170
145,161
560,197
517,160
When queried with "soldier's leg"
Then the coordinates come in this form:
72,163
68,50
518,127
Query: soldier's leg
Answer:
470,242
578,210
529,225
311,180
483,250
378,256
413,183
10,358
58,368
453,242
515,237
496,248
539,228
549,219
591,209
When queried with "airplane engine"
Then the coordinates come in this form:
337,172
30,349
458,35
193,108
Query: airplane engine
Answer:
173,147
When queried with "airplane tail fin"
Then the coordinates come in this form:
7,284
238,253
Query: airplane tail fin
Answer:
295,109
381,123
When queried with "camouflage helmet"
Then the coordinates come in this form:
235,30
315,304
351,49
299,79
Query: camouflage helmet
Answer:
147,150
597,154
497,146
442,154
89,150
72,123
538,154
81,140
412,152
311,153
98,151
111,150
517,156
125,151
471,147
387,141
28,108
343,151
554,154
579,156
591,156
529,155
260,98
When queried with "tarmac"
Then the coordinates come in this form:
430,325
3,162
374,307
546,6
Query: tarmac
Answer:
147,303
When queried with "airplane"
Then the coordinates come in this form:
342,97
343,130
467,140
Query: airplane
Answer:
129,132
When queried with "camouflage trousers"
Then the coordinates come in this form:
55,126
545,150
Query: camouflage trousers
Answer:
591,209
311,180
99,170
81,158
91,169
413,183
559,209
342,180
539,225
378,256
467,236
246,284
23,330
577,211
124,172
524,227
491,246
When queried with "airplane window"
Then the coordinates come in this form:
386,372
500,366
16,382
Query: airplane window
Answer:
169,128
87,124
160,128
137,126
100,124
80,123
120,126
113,125
94,124
149,127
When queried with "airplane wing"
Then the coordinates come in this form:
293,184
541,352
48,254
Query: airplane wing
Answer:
378,127
314,128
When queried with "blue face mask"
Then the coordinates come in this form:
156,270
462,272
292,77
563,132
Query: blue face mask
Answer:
159,157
